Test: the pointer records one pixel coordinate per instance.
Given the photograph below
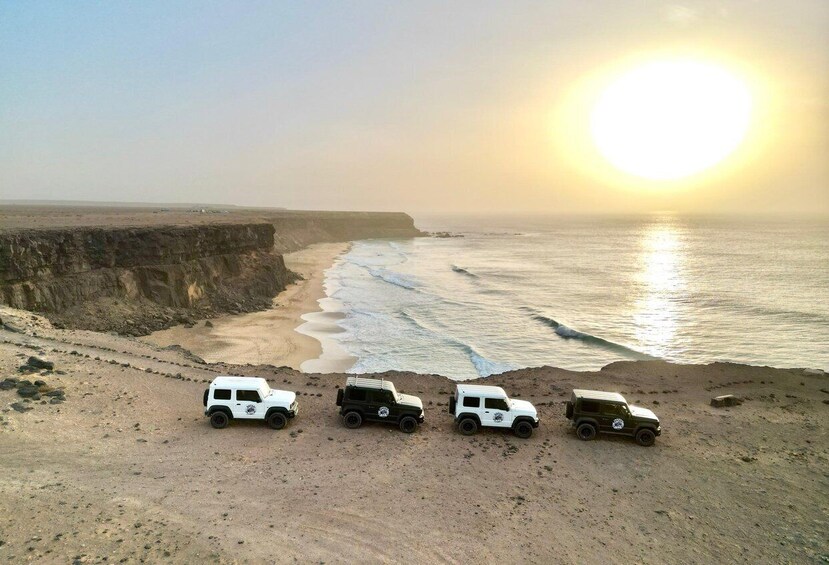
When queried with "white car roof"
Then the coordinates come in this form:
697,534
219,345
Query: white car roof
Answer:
236,382
598,395
482,390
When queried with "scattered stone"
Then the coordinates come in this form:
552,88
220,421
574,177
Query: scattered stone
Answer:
8,384
725,401
39,363
208,324
28,392
20,408
748,459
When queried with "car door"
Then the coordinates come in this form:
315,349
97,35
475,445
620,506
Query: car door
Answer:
496,413
612,419
374,400
389,403
248,405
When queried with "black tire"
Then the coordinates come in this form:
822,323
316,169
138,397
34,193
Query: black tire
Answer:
468,426
277,420
352,420
523,429
219,420
645,437
586,432
408,424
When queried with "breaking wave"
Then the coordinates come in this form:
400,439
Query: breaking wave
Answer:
483,366
566,332
463,271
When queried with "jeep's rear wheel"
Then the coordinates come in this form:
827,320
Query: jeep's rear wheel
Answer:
277,420
645,437
353,420
468,426
523,429
408,424
586,431
219,420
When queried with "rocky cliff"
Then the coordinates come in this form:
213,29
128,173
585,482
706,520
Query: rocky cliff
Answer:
136,271
297,229
139,279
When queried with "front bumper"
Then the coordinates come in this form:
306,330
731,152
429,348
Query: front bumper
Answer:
421,418
536,422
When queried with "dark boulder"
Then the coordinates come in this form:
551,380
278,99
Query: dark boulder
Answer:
29,392
39,363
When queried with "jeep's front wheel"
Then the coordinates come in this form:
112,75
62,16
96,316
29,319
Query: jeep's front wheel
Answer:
353,420
277,420
523,429
586,432
645,437
219,420
408,424
468,426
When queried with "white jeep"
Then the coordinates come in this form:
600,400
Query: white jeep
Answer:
248,398
475,406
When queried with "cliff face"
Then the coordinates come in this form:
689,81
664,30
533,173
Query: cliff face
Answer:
295,229
136,280
161,267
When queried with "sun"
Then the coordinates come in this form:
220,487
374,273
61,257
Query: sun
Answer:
670,119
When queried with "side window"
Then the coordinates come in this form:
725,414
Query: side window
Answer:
386,396
610,409
496,403
221,394
248,396
590,406
358,394
471,401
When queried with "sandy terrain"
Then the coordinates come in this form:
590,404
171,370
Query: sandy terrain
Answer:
128,469
268,337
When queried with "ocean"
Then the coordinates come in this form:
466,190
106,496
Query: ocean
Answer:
581,292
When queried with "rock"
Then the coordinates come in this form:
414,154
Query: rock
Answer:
40,383
7,385
28,392
726,400
20,408
208,324
58,392
39,363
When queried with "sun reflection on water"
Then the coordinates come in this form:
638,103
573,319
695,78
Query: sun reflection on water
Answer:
660,284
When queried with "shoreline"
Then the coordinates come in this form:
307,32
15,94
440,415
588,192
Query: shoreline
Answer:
270,337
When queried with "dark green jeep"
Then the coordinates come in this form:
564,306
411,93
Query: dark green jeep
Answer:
593,411
376,400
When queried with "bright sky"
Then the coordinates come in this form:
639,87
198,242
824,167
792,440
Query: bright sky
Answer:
418,106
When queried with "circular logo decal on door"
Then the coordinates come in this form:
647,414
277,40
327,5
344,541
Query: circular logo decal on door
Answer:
618,424
250,409
383,412
498,417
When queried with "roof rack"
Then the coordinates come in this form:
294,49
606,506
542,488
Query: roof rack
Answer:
364,382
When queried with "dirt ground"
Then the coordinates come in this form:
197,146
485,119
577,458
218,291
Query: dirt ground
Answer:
128,469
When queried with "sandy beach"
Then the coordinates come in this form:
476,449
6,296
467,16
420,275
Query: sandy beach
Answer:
268,337
128,469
